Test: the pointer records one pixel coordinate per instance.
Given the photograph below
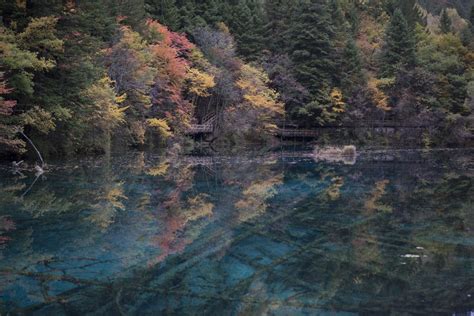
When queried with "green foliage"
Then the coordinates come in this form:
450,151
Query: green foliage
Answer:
312,48
445,23
444,56
279,14
83,75
164,11
40,36
351,66
399,48
39,119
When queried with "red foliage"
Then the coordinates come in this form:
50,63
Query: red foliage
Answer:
6,225
6,106
170,65
172,39
170,51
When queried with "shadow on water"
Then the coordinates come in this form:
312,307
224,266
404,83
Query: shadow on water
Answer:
390,233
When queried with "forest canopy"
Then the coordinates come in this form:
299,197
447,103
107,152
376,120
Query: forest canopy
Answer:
83,76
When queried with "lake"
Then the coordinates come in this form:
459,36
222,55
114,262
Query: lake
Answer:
277,234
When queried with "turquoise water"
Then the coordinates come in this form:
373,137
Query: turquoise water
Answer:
280,234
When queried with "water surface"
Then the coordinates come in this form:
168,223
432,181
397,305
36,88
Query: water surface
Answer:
142,234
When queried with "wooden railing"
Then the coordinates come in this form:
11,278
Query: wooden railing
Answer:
289,129
293,132
358,124
207,127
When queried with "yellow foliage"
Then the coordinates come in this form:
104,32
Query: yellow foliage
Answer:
40,119
200,82
121,98
338,104
254,202
254,83
379,97
114,196
160,170
270,127
221,26
106,209
334,190
198,208
372,203
106,112
161,126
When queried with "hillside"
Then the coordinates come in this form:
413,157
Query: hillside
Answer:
89,76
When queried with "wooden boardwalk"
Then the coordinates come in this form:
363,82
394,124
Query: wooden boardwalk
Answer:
207,127
297,133
291,130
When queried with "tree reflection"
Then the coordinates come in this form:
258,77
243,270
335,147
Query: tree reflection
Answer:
176,235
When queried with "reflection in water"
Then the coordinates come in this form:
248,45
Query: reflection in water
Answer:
283,234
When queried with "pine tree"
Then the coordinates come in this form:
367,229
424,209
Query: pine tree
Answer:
351,67
210,11
399,48
187,12
241,18
445,23
410,10
341,31
312,46
132,10
279,14
165,11
251,41
247,25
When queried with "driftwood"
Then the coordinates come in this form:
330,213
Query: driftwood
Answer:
346,154
36,149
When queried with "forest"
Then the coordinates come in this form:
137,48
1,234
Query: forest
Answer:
88,76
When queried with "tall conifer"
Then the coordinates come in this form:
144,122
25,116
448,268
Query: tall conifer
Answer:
399,48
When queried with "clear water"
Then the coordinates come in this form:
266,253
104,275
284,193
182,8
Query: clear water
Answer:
283,234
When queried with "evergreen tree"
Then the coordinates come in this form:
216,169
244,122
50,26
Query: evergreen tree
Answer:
165,11
410,10
445,23
133,11
251,41
187,11
351,67
210,11
399,48
247,25
312,47
241,18
341,31
279,14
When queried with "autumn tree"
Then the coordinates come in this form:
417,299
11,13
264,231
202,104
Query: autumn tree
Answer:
102,113
258,108
25,55
7,130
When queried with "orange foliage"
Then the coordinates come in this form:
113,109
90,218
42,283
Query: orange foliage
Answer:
169,52
6,106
